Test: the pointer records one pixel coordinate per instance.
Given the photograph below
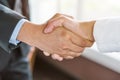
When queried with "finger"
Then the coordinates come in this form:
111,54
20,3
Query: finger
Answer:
69,57
69,54
56,21
56,57
46,53
79,41
73,54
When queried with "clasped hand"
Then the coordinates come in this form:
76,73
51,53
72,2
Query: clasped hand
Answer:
73,38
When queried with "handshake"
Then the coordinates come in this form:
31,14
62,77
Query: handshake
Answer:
61,37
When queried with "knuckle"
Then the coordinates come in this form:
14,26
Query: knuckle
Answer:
81,50
61,19
73,54
87,43
57,14
64,46
63,33
68,37
64,53
78,54
83,43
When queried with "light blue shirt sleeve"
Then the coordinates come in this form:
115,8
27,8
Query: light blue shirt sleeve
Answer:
13,38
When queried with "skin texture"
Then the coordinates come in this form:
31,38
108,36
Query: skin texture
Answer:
60,42
83,29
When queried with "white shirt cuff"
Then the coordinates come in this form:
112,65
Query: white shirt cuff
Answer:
13,38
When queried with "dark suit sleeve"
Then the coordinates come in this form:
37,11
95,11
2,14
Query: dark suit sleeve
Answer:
8,21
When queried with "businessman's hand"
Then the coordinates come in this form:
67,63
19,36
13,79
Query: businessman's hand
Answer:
61,41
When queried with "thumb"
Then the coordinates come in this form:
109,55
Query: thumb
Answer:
49,28
52,24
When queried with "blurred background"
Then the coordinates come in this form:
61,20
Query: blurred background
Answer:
92,65
42,10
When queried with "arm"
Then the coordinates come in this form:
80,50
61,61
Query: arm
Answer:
105,31
83,29
8,21
60,41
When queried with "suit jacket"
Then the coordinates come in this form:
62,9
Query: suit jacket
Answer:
8,21
20,6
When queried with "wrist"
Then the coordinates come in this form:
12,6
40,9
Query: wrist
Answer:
28,32
86,30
